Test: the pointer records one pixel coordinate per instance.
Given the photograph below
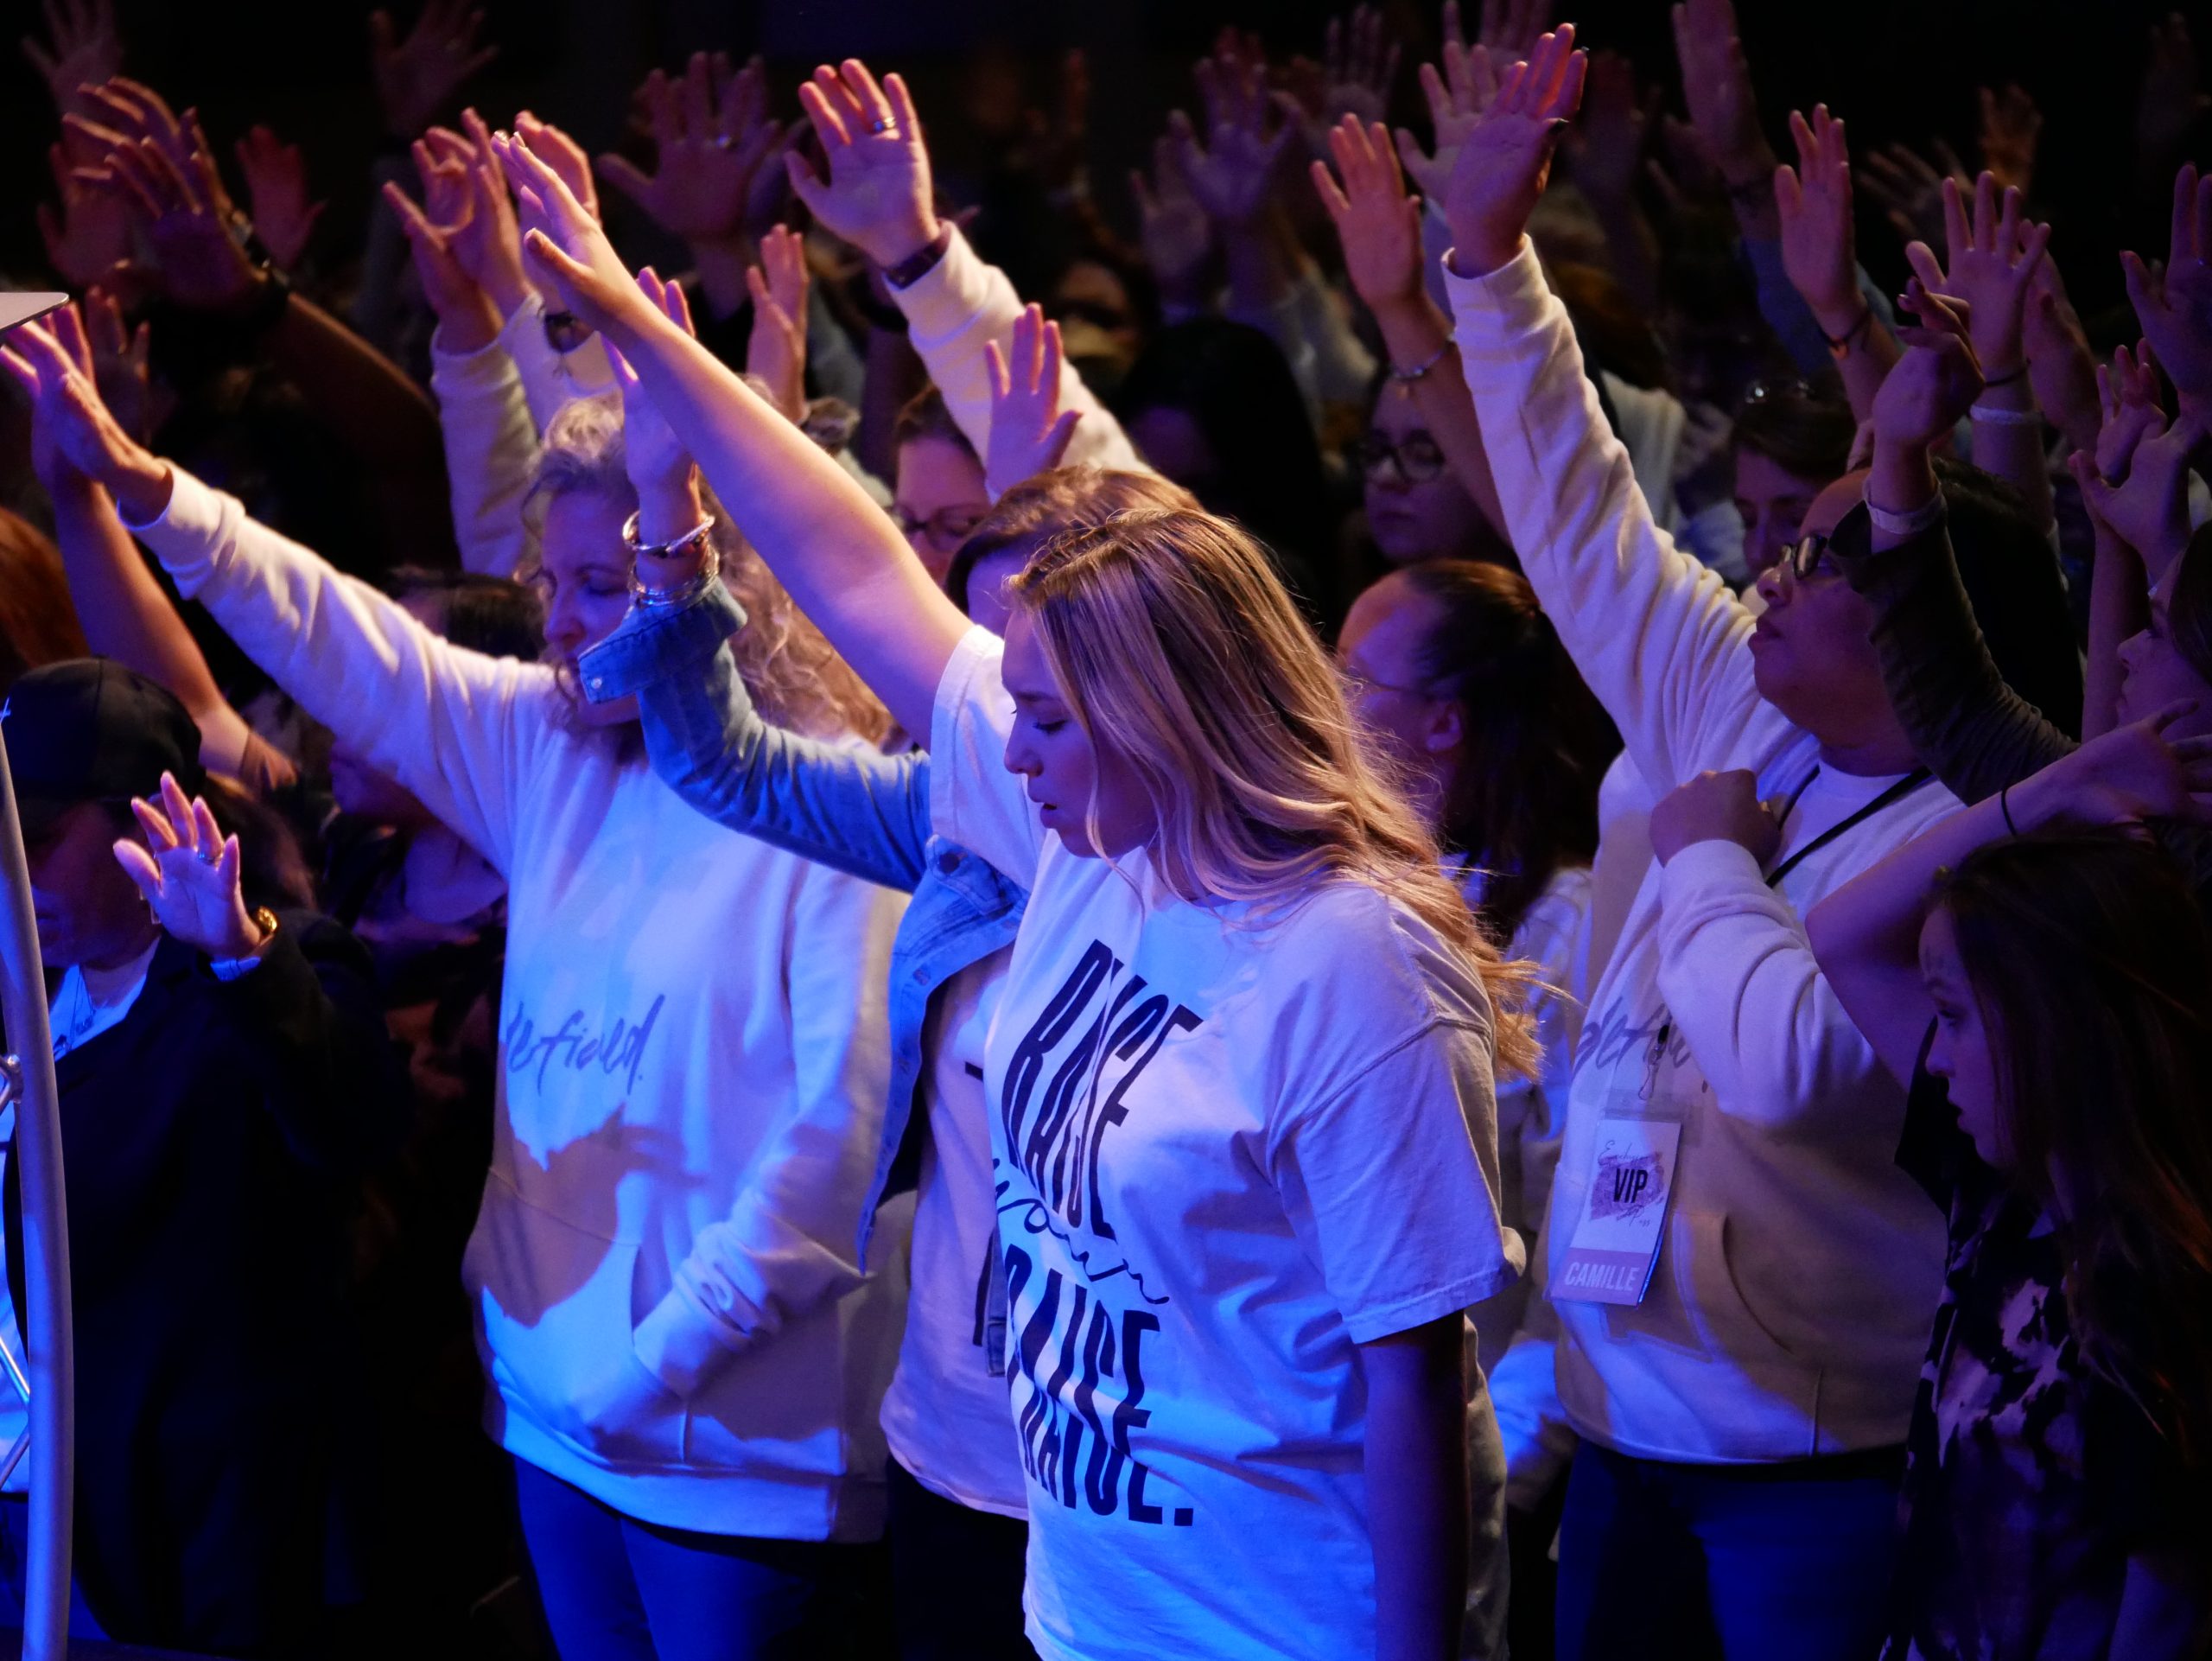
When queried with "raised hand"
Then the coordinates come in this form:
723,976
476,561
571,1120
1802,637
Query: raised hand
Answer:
1379,223
1502,165
188,223
1456,96
1717,82
2062,370
121,363
877,195
1606,147
2011,125
2148,509
1909,191
1232,172
468,318
776,352
2129,402
1929,389
82,48
2174,303
2171,100
564,249
708,151
188,872
1029,430
92,231
1177,235
277,184
1053,145
1992,265
1358,66
418,77
485,239
658,465
136,110
72,430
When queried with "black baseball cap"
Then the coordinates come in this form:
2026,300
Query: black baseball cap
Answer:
90,730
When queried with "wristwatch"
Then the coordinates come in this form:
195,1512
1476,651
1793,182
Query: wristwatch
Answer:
918,265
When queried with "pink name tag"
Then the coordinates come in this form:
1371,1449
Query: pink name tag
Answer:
1617,1239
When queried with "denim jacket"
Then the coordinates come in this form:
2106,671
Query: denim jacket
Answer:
854,809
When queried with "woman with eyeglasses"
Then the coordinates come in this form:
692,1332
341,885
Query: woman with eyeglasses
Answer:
939,496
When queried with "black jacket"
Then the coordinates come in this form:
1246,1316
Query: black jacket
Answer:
209,1141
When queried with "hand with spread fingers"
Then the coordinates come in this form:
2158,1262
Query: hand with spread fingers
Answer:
1457,96
468,318
564,250
187,870
418,77
1174,228
1029,430
776,351
1232,170
82,48
1507,157
1991,263
710,146
877,195
1358,67
1377,221
72,430
2173,303
1813,200
277,184
2145,770
1717,83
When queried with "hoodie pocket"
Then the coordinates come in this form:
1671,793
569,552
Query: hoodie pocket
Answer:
556,1307
1713,1303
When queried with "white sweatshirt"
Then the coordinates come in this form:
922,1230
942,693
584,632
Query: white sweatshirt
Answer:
956,307
694,1061
1788,1313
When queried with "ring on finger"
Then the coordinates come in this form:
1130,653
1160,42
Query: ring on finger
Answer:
886,124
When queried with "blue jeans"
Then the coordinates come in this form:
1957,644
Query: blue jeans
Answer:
1662,1560
617,1589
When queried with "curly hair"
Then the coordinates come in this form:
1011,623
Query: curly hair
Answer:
792,672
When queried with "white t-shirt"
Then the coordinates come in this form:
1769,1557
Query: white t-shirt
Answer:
1229,1153
945,1416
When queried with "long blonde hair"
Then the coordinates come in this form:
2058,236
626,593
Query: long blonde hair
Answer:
1176,643
794,675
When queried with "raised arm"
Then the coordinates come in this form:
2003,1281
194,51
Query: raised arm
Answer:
1380,224
1991,263
1813,209
841,559
879,198
1866,934
1660,640
125,615
456,727
1964,721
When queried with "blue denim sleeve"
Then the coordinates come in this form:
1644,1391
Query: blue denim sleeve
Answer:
853,808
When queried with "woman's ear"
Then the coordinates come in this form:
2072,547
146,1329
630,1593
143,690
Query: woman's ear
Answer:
1447,726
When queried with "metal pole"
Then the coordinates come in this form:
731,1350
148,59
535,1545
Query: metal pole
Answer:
46,1250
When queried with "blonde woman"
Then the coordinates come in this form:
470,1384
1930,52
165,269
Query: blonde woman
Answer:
670,1269
1239,1081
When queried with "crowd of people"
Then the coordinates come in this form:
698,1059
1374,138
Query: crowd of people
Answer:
1454,911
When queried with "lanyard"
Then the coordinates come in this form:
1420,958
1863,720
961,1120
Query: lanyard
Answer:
1896,793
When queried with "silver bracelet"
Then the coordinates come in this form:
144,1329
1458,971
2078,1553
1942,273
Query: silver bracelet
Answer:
1997,418
1912,524
1404,376
685,592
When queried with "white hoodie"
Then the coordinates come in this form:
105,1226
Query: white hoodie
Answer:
1788,1310
694,1062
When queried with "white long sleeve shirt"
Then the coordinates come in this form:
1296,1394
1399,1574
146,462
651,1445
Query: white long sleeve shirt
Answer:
958,307
1789,1309
693,1065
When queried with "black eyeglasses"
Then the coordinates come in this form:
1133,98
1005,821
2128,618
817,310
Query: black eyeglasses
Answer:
1808,558
1418,459
944,530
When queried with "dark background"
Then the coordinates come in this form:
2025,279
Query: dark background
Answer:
1896,69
